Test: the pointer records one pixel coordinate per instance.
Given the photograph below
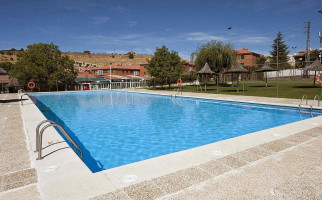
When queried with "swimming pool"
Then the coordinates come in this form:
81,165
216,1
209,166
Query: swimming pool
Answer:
117,128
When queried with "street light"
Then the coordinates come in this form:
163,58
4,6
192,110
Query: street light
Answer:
229,29
110,75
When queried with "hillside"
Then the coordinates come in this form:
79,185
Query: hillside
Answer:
99,59
105,59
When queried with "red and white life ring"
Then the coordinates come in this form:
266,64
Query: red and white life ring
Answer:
318,78
179,82
31,85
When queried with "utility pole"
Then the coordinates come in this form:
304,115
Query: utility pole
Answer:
277,72
307,55
320,35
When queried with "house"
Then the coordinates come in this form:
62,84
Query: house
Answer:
247,58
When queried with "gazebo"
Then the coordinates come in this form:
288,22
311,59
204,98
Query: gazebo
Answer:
3,72
266,69
13,83
206,71
237,69
315,66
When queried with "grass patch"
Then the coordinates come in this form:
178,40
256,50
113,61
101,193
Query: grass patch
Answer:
286,89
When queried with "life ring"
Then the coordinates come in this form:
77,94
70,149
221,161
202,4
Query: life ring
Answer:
179,82
318,79
31,85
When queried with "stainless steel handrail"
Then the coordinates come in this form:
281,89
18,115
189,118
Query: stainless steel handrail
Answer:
65,134
21,98
37,132
302,101
314,101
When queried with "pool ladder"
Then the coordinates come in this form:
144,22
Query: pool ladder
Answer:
176,92
40,134
304,97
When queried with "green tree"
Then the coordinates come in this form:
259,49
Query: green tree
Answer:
260,62
43,64
165,66
131,55
217,54
6,66
281,48
314,54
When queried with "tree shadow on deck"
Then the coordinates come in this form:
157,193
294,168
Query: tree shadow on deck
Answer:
11,100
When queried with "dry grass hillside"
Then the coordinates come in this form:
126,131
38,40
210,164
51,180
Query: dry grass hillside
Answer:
99,59
105,59
8,58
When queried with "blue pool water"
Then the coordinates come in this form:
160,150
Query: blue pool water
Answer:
117,128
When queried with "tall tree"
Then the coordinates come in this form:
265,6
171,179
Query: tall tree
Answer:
217,54
165,66
43,64
6,66
280,49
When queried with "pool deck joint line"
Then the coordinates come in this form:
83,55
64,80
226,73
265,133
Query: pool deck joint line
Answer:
279,163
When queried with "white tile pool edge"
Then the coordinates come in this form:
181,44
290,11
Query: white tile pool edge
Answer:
73,180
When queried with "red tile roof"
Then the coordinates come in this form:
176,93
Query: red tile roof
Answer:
244,51
4,79
126,67
83,75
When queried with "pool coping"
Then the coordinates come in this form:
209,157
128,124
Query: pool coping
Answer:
73,180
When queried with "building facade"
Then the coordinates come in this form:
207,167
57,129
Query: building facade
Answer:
247,58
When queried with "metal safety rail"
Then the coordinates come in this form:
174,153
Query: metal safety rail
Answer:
40,134
304,96
21,98
176,92
314,101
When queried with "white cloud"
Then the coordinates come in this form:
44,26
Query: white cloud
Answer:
253,39
200,36
184,55
131,23
100,20
102,39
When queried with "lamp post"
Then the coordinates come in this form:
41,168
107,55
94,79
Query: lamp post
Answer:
110,76
229,29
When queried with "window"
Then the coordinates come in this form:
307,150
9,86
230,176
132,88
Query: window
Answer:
104,71
99,72
242,57
144,73
136,73
123,71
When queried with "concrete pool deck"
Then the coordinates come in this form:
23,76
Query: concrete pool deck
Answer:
279,163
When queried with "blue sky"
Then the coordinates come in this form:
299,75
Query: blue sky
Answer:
141,26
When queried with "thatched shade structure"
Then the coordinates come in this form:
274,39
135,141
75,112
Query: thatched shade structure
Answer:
266,68
3,72
237,69
206,71
13,83
315,66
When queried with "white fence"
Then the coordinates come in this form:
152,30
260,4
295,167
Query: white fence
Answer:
288,73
